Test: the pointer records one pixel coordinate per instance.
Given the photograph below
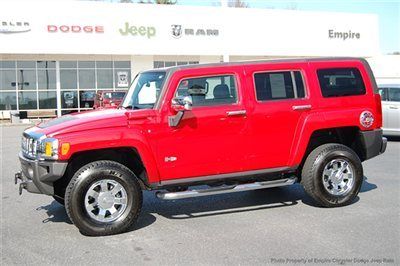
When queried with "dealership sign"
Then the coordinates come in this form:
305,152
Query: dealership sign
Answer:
14,26
75,28
137,30
343,35
177,31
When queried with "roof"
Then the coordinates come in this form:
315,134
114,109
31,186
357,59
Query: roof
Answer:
252,62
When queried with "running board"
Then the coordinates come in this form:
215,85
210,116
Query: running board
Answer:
225,189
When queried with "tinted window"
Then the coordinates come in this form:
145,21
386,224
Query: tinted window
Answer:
206,91
394,94
279,85
340,82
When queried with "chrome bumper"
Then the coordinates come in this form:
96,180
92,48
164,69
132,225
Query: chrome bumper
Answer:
39,176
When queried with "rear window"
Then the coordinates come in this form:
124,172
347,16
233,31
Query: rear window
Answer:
335,82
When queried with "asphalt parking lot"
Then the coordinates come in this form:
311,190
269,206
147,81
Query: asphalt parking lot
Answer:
278,226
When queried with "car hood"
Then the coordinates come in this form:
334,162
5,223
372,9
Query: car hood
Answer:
89,120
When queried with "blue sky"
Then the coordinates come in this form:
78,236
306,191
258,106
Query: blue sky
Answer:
387,11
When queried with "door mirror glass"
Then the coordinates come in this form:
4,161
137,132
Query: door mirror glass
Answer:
182,103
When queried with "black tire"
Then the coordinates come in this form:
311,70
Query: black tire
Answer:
59,199
82,181
312,174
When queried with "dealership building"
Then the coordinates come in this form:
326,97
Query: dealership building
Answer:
55,55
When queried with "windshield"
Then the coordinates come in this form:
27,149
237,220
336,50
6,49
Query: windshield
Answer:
145,90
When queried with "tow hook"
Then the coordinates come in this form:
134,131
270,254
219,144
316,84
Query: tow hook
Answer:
18,176
22,185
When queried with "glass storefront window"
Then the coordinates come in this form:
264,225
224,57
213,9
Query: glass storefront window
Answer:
86,99
26,79
69,99
86,64
46,79
68,79
122,64
104,79
47,100
8,80
158,64
29,85
169,64
104,64
87,79
8,101
68,64
27,100
26,64
7,64
46,64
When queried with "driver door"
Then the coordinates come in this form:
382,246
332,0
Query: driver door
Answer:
209,139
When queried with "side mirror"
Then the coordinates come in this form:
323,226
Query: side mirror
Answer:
180,105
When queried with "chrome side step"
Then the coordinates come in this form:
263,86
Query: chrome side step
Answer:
225,189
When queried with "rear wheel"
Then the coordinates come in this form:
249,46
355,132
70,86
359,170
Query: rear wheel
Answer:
103,198
332,175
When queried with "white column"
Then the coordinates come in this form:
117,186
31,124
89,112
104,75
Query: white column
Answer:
140,63
225,58
58,88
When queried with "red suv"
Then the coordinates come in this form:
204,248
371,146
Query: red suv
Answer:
229,127
108,99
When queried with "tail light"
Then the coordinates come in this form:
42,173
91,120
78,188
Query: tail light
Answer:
378,107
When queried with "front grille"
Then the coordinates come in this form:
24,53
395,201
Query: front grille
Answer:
29,146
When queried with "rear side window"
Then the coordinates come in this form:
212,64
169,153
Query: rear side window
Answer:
336,82
279,85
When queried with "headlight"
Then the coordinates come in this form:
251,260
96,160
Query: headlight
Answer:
47,149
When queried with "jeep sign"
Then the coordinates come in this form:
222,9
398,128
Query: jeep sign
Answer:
138,30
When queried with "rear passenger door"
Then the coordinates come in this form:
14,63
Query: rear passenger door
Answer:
280,102
393,109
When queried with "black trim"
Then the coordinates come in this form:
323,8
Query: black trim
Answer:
373,143
262,174
42,173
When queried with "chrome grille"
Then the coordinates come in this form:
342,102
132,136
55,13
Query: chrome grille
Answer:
29,146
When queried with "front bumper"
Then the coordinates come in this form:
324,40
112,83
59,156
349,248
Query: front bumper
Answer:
39,176
373,143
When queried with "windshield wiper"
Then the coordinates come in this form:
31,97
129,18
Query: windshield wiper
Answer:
133,107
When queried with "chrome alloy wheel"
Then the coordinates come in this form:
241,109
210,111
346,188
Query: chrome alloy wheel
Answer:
338,177
106,200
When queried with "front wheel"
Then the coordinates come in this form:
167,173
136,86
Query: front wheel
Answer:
103,198
332,175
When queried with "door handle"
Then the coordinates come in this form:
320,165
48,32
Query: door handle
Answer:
301,107
236,113
393,107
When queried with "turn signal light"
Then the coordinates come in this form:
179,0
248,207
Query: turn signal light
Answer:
65,148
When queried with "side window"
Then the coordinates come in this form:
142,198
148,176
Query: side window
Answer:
394,94
207,91
279,85
336,82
